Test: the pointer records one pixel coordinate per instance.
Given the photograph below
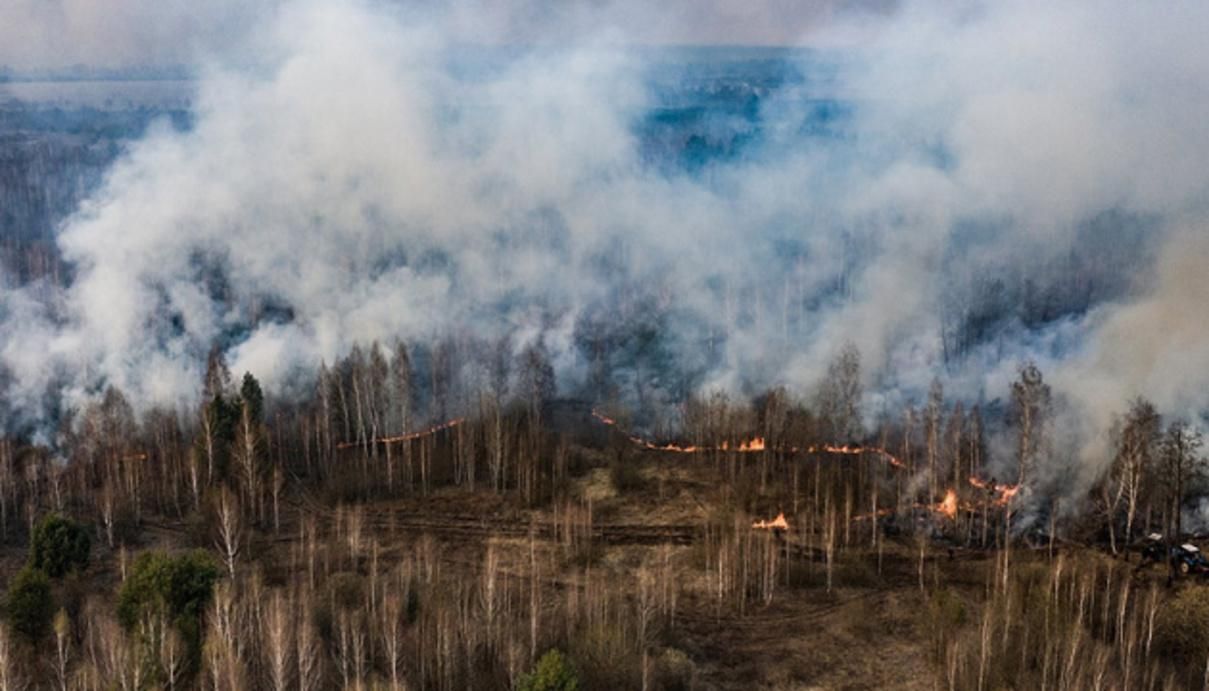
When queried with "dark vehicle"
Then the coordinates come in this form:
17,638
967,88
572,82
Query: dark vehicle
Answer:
1153,548
1186,558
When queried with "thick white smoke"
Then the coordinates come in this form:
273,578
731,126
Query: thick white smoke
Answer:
356,184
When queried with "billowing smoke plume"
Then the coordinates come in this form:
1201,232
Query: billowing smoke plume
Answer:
952,189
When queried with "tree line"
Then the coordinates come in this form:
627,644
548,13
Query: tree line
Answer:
295,580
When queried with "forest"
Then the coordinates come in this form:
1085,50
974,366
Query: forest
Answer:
439,516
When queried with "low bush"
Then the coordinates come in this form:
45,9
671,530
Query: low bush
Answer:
59,545
30,604
553,672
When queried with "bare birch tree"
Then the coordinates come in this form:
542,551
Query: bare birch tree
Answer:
230,541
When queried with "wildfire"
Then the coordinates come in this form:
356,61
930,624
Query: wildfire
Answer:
848,450
951,504
948,507
604,418
745,446
411,436
832,448
673,448
1006,492
754,444
778,523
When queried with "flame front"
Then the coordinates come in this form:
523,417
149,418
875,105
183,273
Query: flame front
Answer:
410,436
745,446
778,523
848,450
753,444
604,418
1005,492
948,507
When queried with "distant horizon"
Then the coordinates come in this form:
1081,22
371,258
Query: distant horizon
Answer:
188,71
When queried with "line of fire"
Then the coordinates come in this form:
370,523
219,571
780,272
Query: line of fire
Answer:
990,494
974,511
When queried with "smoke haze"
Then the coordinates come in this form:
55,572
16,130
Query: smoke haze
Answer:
53,35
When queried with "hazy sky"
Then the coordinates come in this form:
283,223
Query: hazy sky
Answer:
52,34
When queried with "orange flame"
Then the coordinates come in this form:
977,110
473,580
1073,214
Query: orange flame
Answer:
411,436
948,507
753,444
674,448
858,450
951,505
603,418
778,523
756,444
1006,492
